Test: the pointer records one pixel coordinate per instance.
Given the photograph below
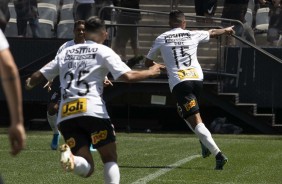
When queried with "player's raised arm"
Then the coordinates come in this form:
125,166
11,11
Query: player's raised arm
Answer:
12,88
218,32
35,79
134,75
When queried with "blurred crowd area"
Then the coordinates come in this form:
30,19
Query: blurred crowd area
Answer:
261,19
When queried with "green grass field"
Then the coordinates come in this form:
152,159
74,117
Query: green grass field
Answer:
152,158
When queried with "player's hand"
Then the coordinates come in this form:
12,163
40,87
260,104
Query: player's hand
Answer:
229,30
27,84
107,82
156,69
48,85
17,138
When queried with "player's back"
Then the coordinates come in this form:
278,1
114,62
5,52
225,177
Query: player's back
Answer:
179,52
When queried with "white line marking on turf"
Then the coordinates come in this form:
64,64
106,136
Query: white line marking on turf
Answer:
160,172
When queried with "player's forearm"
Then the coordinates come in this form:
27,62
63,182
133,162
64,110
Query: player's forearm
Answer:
218,32
35,79
12,89
134,76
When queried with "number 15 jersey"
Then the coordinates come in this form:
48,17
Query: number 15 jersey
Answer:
178,49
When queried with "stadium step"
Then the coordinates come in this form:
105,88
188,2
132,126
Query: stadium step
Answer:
230,97
248,107
247,112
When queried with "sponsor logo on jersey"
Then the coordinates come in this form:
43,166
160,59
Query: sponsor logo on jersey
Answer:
71,142
190,73
188,106
81,50
80,57
74,107
177,37
97,137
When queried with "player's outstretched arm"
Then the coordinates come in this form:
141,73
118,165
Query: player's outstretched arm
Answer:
35,79
218,32
134,75
12,89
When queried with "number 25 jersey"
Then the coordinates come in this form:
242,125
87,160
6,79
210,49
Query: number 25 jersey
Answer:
178,49
82,69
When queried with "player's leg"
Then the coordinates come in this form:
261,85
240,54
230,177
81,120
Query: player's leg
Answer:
187,94
108,155
75,154
104,141
206,139
52,119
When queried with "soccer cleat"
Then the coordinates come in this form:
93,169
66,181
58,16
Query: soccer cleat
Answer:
55,141
205,151
220,162
67,160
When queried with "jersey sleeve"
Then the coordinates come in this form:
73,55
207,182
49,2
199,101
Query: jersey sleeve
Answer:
155,49
114,64
51,69
3,41
62,47
203,36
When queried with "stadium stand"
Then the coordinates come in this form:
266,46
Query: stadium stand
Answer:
64,29
11,29
261,26
65,25
262,19
48,15
249,17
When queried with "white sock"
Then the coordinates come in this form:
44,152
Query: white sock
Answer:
206,138
53,123
81,166
111,173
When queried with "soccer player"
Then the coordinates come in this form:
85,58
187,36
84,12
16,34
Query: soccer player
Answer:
83,118
12,88
53,106
178,48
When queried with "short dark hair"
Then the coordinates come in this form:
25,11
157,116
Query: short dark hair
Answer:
94,24
176,16
2,21
77,23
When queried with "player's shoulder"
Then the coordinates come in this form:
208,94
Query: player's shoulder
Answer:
193,32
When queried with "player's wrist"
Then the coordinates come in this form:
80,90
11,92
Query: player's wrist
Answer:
28,85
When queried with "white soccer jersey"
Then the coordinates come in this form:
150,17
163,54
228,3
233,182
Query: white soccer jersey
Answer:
178,49
82,69
3,41
66,45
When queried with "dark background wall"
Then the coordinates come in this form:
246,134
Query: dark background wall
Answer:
131,108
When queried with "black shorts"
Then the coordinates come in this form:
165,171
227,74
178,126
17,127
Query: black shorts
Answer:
56,97
86,130
205,7
187,95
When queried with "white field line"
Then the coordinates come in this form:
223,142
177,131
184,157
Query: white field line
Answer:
163,171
